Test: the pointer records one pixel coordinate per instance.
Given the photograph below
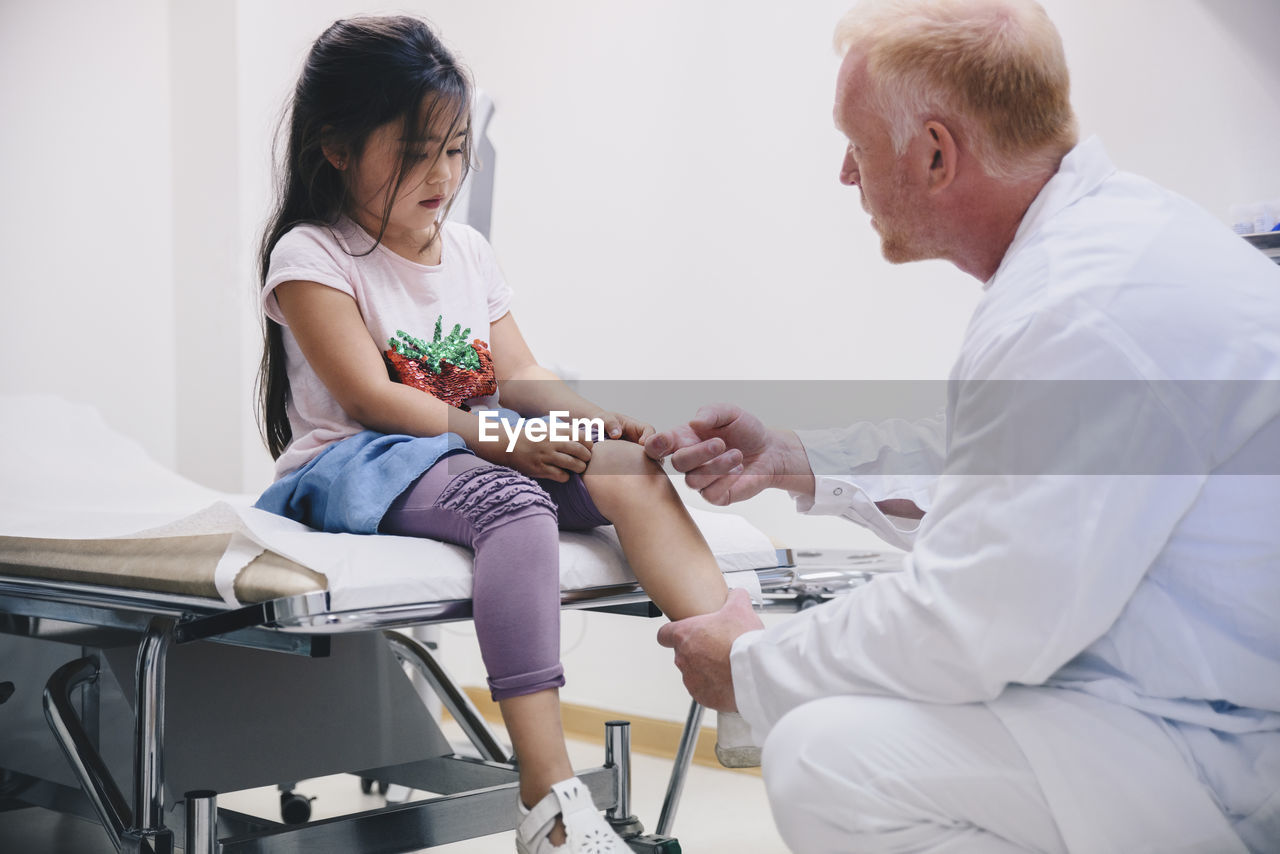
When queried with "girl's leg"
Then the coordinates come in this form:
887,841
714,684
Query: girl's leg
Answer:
511,525
663,545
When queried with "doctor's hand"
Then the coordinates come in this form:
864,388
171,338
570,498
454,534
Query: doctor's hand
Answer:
702,646
728,455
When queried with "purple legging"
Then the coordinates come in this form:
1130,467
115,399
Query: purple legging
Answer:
510,521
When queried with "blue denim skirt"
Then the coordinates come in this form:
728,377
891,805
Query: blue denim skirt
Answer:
349,486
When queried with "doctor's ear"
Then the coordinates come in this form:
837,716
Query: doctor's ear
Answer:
942,156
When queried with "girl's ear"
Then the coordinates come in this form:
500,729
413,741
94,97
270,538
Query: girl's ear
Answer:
337,155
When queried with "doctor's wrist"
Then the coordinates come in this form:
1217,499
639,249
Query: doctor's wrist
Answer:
795,475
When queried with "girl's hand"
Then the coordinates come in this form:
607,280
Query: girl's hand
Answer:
546,459
619,426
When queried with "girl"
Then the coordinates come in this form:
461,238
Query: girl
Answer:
363,278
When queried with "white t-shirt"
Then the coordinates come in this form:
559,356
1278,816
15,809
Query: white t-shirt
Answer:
393,294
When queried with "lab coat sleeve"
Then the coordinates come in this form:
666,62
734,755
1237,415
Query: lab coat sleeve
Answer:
856,466
1037,536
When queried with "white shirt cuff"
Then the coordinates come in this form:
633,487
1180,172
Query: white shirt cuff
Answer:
745,691
837,496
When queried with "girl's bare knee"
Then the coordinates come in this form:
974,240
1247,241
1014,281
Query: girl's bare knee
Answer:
621,475
614,456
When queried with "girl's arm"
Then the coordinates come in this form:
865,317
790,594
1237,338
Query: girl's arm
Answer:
336,343
531,389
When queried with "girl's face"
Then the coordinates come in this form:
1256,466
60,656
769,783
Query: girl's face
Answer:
433,170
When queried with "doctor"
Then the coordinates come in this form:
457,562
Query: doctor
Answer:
1082,651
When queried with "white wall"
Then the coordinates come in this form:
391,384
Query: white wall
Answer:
85,233
667,205
213,294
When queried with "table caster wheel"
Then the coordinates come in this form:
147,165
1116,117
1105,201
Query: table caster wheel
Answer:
295,808
367,784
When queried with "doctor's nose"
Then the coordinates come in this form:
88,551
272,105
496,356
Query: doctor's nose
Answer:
849,171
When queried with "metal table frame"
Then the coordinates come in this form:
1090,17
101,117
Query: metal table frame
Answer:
302,625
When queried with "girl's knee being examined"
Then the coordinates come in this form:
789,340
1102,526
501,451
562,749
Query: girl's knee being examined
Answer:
615,457
620,474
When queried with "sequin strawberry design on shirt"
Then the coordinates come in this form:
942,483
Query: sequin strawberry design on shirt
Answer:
449,367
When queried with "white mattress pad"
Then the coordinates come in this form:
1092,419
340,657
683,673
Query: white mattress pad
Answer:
67,475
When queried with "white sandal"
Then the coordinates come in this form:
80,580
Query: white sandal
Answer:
586,831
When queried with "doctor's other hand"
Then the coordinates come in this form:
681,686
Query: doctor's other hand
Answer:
728,455
702,645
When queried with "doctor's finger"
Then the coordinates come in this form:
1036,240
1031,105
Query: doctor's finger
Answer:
718,493
732,488
738,608
657,445
715,417
728,463
688,459
661,444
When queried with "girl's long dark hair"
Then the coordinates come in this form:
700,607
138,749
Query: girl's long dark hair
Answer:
360,74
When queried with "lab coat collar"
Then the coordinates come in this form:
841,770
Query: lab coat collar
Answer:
1081,171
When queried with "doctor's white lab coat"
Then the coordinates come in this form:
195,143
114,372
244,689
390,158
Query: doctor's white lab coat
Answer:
1100,559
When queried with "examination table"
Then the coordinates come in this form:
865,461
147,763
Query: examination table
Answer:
161,643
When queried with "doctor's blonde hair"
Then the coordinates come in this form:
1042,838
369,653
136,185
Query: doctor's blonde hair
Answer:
994,71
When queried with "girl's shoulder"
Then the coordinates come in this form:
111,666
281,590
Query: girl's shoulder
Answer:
474,259
464,236
331,238
463,242
333,249
314,253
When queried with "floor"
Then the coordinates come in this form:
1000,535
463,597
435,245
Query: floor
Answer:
721,811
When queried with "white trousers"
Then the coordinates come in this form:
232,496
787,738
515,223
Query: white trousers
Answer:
879,774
